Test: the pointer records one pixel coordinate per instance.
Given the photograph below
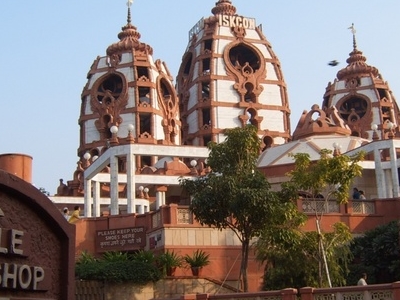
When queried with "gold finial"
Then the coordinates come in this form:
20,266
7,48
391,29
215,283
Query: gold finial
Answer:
353,32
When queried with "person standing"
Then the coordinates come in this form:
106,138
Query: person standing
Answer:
66,213
362,195
356,193
363,279
75,214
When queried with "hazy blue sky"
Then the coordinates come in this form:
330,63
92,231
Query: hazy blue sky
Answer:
48,47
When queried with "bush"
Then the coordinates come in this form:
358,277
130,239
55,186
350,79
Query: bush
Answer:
198,259
116,267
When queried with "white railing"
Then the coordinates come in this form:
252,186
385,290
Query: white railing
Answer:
320,206
363,207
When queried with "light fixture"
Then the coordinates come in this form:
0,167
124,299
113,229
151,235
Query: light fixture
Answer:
130,138
114,129
114,137
375,136
87,156
390,127
146,193
336,148
141,191
193,163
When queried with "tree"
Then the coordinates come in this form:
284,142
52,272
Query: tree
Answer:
296,265
44,191
301,262
377,254
235,194
331,176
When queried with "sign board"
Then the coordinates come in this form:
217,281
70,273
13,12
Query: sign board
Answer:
122,239
36,244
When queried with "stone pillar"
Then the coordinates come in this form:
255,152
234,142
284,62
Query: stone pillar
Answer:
389,184
306,293
380,178
114,185
160,196
130,182
396,290
96,199
87,186
395,175
289,294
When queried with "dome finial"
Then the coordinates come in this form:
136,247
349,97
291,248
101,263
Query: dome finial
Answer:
353,31
129,4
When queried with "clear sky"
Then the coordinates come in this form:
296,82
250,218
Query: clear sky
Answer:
48,46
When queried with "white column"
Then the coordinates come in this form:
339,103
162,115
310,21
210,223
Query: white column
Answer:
380,176
130,182
158,199
96,199
163,198
393,166
114,184
389,183
87,207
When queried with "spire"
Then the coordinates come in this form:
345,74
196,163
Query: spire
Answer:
357,65
353,32
224,7
129,38
129,4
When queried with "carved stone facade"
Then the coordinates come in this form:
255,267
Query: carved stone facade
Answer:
230,77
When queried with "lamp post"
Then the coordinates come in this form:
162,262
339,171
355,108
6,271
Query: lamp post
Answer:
336,149
193,164
130,138
374,128
390,127
141,195
87,157
114,136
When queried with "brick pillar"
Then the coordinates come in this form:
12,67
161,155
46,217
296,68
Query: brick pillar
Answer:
289,294
202,296
396,290
306,293
188,297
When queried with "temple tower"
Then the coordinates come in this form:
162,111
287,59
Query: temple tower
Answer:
128,98
230,77
363,99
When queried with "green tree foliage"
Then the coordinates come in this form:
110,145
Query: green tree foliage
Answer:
302,261
235,194
331,176
296,265
377,254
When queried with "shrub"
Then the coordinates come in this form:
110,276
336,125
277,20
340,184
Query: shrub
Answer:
198,259
114,267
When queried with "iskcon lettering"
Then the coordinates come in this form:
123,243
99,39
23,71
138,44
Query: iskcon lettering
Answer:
236,21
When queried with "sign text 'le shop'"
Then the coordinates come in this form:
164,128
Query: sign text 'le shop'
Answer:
14,243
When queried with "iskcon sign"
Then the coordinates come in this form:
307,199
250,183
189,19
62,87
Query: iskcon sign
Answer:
36,244
225,21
